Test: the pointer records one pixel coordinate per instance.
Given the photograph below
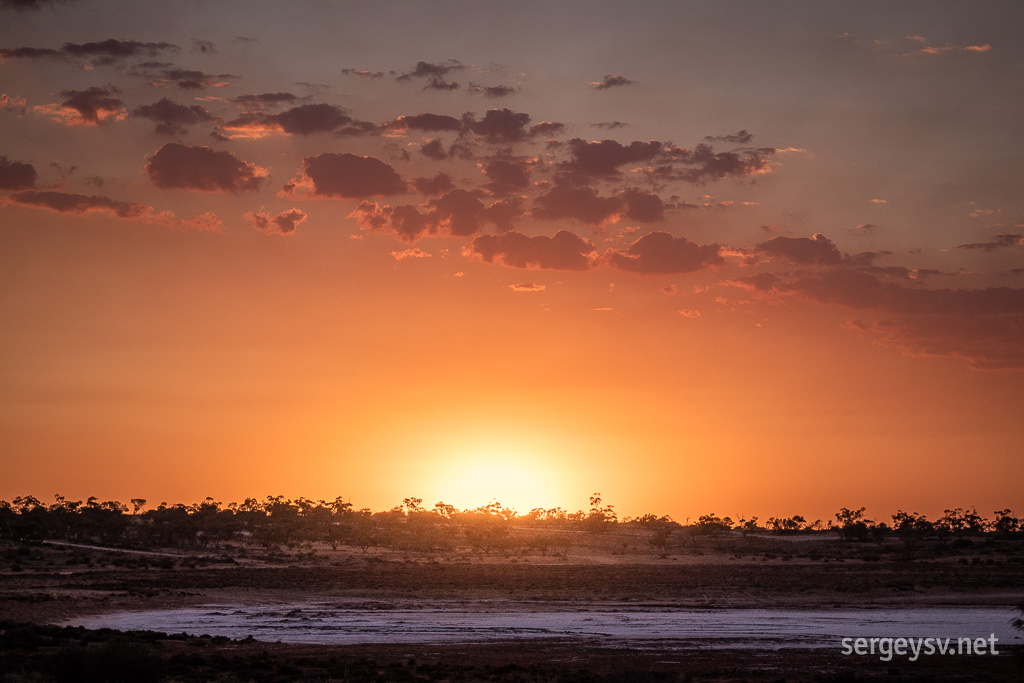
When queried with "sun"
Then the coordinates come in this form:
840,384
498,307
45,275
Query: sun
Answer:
477,475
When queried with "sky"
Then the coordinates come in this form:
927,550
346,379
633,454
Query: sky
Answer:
735,257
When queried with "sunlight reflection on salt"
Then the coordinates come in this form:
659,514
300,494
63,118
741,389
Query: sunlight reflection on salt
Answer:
353,621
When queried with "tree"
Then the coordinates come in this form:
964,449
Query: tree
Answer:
852,525
1005,523
600,518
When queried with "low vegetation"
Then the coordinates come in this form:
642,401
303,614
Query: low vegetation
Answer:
277,522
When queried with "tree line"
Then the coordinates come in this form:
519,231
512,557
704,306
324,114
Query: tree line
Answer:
278,521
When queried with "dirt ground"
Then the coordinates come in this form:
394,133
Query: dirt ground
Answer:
45,585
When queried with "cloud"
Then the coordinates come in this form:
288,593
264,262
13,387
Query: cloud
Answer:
564,251
740,138
547,128
949,49
362,73
610,81
499,126
163,74
527,287
171,117
347,176
30,5
283,223
584,204
432,71
65,202
505,176
202,169
494,91
79,204
441,84
429,123
702,163
404,221
305,119
414,252
458,212
90,107
982,326
661,253
439,184
609,125
1000,241
264,99
817,250
103,52
15,175
605,157
16,103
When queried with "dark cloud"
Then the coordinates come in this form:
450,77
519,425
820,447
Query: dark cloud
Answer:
439,184
494,91
1000,241
564,251
93,105
605,157
167,74
283,223
609,125
203,46
578,203
661,253
28,53
306,119
263,99
983,326
817,250
433,149
31,5
432,71
499,126
505,176
702,163
202,169
428,123
15,175
584,204
65,202
405,221
504,212
740,138
547,128
171,117
362,73
458,212
441,84
642,206
111,50
102,52
349,176
189,79
609,81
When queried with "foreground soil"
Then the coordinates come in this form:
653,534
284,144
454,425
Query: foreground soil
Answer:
48,587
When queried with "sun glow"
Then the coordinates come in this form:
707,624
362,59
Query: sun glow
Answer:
476,476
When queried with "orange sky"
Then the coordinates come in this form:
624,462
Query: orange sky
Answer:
697,258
